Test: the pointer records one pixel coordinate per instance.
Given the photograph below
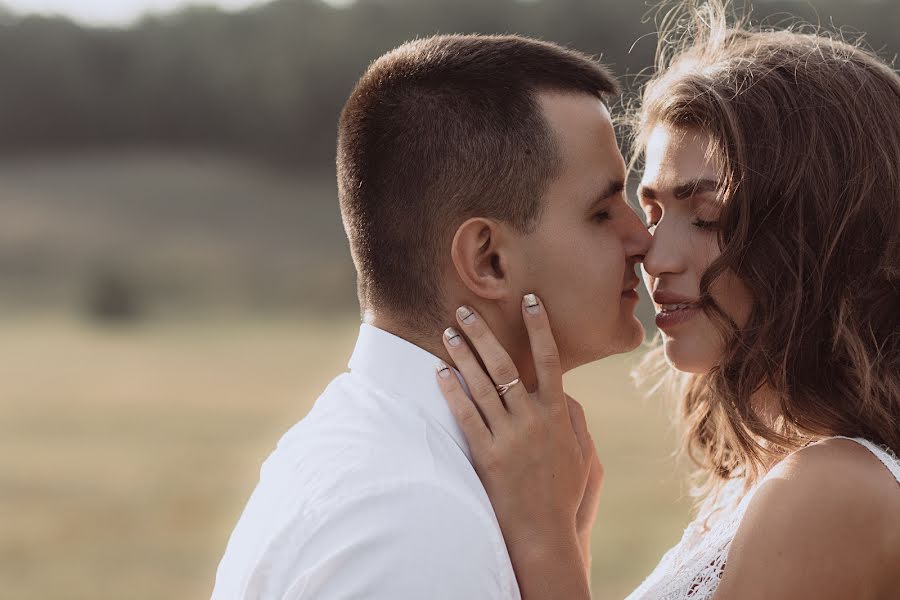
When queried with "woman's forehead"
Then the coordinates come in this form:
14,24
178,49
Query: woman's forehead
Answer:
675,154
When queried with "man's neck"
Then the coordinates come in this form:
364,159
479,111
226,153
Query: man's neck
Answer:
432,341
428,341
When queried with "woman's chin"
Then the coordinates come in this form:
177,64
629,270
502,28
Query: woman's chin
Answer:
687,357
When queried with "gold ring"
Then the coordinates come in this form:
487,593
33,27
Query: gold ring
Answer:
503,388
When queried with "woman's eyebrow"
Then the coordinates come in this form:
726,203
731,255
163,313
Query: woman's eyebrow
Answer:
645,191
697,186
681,190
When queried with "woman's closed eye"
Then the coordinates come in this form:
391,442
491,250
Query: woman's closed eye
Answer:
705,225
696,222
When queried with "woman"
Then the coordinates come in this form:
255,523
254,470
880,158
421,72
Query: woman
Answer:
772,188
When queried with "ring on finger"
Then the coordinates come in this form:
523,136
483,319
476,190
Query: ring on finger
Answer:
504,387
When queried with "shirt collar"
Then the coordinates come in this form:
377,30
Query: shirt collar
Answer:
403,369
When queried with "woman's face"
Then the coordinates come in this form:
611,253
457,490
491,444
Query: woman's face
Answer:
678,194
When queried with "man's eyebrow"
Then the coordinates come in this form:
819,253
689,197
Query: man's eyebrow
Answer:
682,190
614,187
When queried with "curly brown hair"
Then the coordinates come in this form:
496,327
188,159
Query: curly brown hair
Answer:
807,126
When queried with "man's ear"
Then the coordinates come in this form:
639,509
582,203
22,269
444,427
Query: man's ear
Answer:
481,251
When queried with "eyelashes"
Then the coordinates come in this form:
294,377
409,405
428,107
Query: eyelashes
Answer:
698,223
706,225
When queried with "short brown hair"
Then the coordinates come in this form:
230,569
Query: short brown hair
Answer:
808,130
440,130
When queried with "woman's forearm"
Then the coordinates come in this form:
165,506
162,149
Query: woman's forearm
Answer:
549,571
584,540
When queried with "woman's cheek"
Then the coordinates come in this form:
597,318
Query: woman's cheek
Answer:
734,297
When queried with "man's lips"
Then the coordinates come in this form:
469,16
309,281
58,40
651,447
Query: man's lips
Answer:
631,286
630,291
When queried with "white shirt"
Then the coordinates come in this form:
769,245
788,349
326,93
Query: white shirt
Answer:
371,495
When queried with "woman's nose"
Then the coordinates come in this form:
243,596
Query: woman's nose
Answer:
666,251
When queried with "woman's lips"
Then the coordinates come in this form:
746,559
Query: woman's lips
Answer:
670,316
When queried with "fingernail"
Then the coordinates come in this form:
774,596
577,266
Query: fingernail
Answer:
465,314
453,337
532,304
443,370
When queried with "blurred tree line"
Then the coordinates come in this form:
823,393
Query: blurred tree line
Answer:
270,81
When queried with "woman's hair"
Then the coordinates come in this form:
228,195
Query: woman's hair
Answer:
807,129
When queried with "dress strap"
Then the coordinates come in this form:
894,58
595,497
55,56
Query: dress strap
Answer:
885,455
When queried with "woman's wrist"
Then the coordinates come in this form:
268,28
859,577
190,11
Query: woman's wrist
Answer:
584,541
551,568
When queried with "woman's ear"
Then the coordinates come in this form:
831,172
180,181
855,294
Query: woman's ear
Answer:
481,255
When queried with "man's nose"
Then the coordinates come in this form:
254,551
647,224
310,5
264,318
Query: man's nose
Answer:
637,239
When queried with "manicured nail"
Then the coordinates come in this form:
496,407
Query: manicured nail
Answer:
465,314
532,304
453,337
443,370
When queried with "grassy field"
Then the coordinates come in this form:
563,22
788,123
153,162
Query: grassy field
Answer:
182,231
127,453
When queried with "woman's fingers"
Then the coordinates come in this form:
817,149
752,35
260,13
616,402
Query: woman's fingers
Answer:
499,365
546,355
481,387
579,426
590,500
464,410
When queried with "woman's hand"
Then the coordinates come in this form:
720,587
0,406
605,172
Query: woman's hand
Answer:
532,451
590,501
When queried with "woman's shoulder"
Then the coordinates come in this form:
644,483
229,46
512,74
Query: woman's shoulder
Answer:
832,477
837,487
825,522
838,462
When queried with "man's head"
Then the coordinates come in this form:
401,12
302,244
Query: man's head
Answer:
475,169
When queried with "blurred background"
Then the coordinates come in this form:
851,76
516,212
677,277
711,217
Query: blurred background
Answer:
175,285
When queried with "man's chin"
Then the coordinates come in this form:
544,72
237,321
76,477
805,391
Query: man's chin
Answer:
638,336
630,338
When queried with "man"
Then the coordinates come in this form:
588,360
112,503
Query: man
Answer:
471,170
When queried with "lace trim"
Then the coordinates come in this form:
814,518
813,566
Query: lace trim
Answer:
693,568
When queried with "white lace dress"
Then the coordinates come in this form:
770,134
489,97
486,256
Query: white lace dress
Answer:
693,568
